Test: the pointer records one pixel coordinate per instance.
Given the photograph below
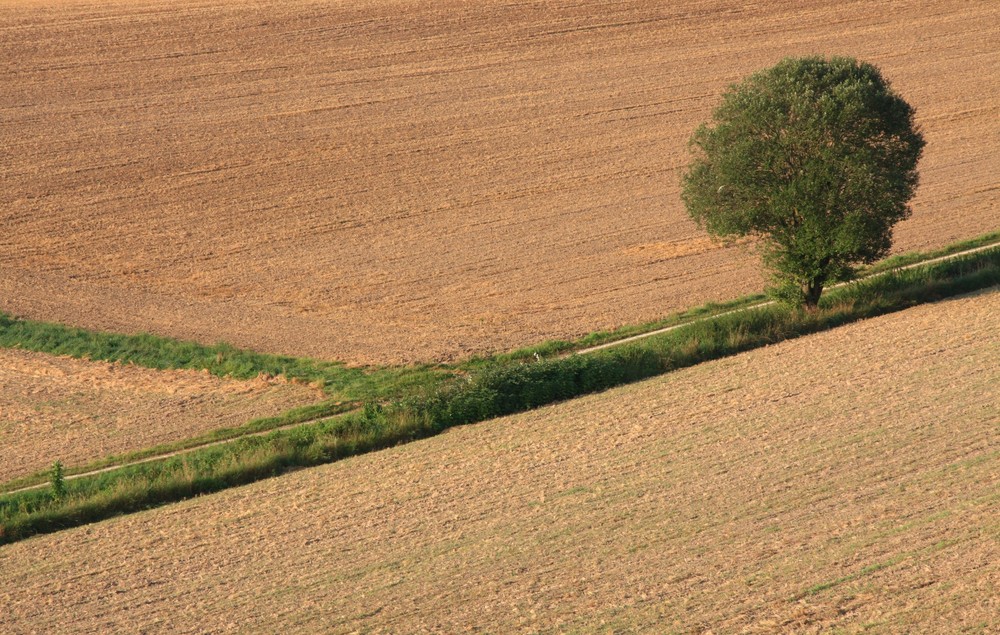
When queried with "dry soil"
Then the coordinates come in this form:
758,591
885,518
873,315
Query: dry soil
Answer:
848,479
387,181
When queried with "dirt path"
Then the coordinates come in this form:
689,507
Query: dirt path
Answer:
304,178
580,352
666,329
166,455
846,480
77,411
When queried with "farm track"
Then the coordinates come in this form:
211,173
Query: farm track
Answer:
172,453
78,411
846,479
585,351
386,182
667,329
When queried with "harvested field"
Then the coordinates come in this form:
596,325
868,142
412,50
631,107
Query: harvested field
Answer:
78,411
399,181
850,478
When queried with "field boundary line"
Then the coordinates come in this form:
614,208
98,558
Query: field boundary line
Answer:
173,453
667,329
592,349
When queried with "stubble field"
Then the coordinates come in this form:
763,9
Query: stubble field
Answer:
398,181
846,479
75,411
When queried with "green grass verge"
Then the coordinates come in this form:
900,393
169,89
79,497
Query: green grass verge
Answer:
356,383
294,416
560,347
914,257
502,386
338,380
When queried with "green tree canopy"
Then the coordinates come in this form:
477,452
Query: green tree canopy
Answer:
815,157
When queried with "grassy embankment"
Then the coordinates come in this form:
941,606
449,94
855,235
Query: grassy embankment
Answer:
420,402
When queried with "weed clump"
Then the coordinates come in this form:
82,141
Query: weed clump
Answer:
57,480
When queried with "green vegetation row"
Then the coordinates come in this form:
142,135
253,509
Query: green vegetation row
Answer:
347,387
503,386
916,257
556,347
223,360
301,414
354,383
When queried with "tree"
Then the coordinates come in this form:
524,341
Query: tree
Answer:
817,158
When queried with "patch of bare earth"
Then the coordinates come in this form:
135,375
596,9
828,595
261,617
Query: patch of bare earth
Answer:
75,411
848,479
398,180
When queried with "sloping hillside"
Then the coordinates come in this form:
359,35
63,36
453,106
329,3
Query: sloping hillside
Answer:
397,180
850,478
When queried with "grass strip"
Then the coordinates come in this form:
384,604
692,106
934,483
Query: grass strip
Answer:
294,416
151,351
914,257
559,347
358,383
500,388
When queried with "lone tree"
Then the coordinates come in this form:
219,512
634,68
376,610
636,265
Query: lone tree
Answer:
815,157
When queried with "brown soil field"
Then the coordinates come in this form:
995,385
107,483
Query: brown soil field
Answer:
391,181
78,411
848,479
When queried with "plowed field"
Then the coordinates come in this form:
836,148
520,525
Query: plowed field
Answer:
57,408
397,180
850,479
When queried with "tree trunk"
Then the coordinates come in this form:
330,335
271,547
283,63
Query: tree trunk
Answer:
812,290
